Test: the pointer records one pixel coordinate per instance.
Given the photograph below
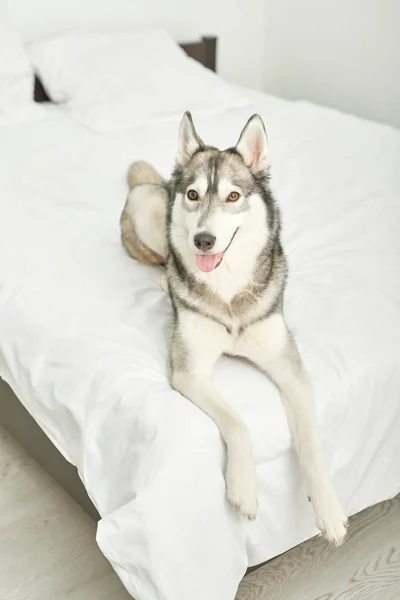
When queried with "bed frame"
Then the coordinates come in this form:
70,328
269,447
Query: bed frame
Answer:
13,415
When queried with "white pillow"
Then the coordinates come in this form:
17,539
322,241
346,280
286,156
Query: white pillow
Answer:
16,79
120,80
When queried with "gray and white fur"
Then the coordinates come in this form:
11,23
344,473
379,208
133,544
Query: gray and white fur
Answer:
216,226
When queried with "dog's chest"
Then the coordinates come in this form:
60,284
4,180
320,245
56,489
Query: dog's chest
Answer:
225,283
234,314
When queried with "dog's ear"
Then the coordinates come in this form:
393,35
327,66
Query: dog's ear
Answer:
189,141
253,145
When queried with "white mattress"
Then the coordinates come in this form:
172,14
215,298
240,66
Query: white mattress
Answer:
84,337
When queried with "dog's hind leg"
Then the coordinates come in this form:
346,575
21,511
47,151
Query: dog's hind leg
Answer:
270,346
196,346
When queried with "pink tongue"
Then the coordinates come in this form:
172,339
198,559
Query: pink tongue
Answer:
208,262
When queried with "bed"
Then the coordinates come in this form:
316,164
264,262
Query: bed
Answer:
84,335
14,416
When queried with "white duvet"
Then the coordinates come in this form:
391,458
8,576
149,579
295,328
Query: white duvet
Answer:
84,338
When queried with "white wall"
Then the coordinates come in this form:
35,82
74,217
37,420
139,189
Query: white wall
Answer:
239,24
342,53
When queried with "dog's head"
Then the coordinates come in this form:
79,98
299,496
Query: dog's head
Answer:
216,192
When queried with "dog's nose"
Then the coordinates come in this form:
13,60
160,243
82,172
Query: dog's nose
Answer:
204,241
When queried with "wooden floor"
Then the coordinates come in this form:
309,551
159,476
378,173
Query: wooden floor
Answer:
366,567
47,543
48,549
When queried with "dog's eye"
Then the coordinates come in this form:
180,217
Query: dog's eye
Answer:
233,197
192,195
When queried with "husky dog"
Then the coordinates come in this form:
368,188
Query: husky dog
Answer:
216,226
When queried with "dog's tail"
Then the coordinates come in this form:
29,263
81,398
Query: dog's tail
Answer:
141,172
143,220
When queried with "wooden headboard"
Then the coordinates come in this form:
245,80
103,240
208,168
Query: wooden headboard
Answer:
204,51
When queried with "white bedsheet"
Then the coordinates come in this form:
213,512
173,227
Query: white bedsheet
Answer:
84,336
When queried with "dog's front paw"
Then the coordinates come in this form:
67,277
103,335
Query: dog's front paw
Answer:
242,490
331,519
